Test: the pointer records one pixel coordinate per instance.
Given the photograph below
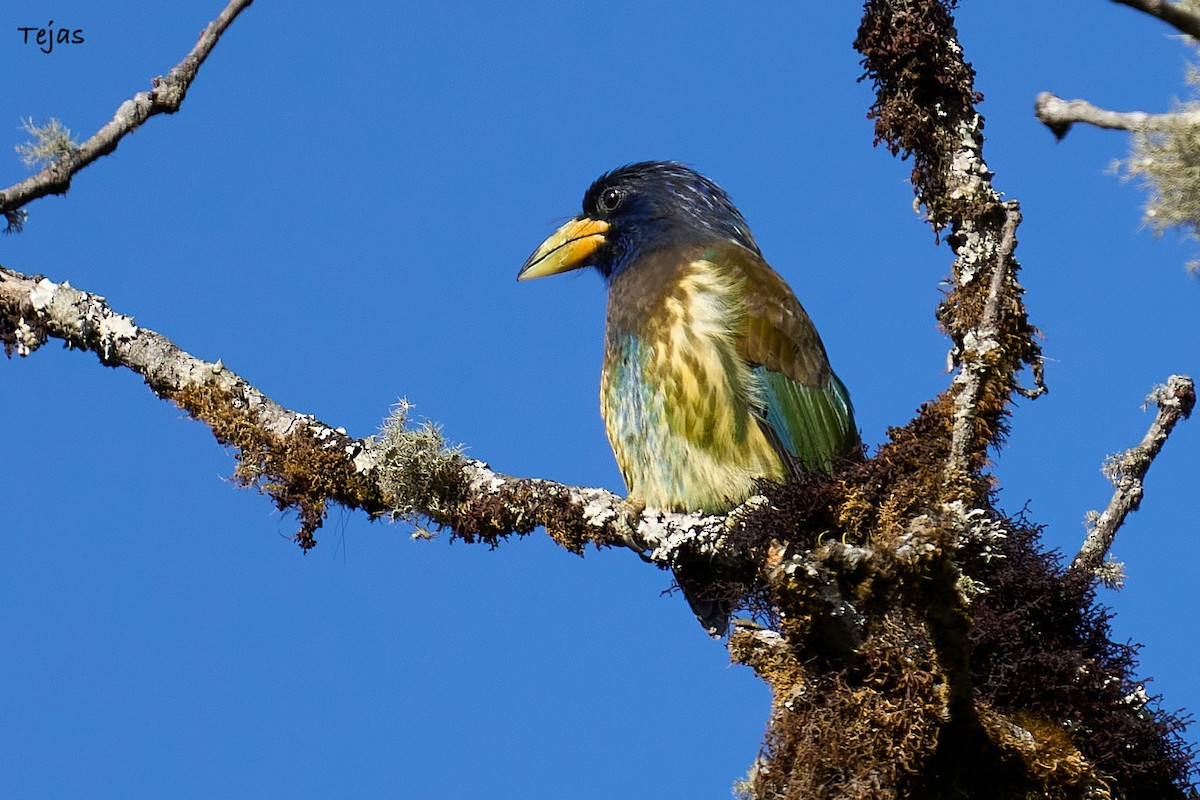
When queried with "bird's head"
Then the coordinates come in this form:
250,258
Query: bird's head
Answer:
634,210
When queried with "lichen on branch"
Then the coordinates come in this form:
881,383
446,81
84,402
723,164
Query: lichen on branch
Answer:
304,464
925,108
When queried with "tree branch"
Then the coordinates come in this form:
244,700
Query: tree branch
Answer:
165,97
303,463
978,345
1175,14
1127,471
926,108
1059,115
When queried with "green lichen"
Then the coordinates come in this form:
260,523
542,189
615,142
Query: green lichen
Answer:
420,473
49,144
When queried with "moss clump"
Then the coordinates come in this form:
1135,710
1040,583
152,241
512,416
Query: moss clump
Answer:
920,80
862,731
981,668
301,471
418,470
1043,654
520,507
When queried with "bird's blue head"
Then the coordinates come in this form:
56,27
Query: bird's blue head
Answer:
637,209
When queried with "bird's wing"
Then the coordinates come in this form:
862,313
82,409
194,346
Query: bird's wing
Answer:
806,411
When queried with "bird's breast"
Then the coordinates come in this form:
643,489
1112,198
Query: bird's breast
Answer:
678,402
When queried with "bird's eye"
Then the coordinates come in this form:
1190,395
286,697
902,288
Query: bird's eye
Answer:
611,198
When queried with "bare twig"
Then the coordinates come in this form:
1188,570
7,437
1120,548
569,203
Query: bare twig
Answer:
165,97
1175,14
1127,471
1059,115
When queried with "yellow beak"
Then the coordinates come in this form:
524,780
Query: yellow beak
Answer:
568,248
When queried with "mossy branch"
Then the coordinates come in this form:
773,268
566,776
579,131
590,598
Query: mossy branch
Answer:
892,691
925,108
304,464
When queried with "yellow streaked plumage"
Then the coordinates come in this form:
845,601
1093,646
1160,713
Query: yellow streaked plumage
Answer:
666,393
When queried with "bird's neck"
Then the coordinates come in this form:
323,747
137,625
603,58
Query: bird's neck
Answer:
674,294
638,250
639,292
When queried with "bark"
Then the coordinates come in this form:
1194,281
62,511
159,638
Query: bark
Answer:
1059,115
1176,15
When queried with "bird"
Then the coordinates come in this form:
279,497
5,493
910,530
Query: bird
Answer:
714,377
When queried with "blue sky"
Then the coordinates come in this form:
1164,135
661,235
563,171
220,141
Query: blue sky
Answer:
339,211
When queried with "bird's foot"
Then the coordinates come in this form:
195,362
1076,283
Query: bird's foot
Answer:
634,505
631,510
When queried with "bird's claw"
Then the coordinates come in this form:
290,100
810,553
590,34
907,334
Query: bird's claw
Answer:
631,509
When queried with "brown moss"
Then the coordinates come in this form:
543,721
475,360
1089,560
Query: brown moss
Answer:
1031,692
302,473
962,313
923,87
866,501
1049,692
519,507
871,504
771,660
1055,767
1044,655
865,731
924,95
299,472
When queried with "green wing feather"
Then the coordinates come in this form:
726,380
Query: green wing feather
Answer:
812,426
806,410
